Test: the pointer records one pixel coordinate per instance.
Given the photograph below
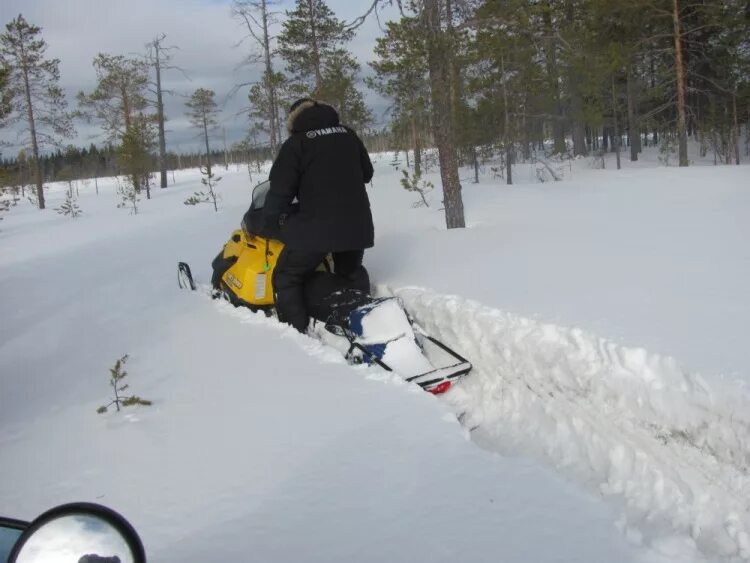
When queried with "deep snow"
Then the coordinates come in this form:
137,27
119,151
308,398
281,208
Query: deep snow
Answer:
262,444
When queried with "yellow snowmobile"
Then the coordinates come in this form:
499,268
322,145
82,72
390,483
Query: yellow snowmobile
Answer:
365,329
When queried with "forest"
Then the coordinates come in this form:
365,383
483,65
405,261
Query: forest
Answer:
466,81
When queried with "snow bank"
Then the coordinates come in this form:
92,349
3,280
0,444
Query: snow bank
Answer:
633,425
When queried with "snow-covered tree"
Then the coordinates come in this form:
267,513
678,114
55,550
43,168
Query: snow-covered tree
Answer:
69,206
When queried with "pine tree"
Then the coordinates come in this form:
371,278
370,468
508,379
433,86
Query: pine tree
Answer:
119,102
401,74
202,114
265,99
119,96
33,93
5,96
134,153
505,67
311,44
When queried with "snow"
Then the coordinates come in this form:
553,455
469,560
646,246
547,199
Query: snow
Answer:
605,316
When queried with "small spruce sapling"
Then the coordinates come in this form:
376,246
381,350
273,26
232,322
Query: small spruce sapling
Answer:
208,196
396,161
69,207
116,374
6,204
32,197
4,207
414,183
128,193
667,148
196,199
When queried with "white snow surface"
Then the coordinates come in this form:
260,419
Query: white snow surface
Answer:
606,418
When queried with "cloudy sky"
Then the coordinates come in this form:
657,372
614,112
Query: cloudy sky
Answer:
76,30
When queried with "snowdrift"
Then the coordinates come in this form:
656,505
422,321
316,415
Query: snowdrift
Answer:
673,450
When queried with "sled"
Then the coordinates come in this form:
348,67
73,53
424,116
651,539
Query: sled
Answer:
400,345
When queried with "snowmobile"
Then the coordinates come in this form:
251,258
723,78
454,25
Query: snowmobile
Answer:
365,329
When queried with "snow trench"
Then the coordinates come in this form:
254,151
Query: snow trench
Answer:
669,449
672,450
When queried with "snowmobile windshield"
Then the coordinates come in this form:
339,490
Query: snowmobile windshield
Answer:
259,195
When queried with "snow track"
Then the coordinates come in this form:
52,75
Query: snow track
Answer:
635,427
670,449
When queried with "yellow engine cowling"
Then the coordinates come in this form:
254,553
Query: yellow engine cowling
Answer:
249,278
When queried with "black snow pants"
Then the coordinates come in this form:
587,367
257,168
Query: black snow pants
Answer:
293,268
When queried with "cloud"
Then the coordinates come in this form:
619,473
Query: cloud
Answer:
207,37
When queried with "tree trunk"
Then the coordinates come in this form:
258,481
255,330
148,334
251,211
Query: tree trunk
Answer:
208,151
680,71
226,152
456,83
160,119
525,132
736,130
316,49
509,164
616,136
417,147
32,131
579,138
441,116
273,109
634,130
558,130
476,163
507,140
578,129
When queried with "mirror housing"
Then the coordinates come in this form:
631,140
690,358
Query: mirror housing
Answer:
79,532
10,530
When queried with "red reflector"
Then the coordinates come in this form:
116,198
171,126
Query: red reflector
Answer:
442,388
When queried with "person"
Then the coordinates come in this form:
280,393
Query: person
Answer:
324,166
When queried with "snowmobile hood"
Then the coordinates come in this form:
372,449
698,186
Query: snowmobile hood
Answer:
311,115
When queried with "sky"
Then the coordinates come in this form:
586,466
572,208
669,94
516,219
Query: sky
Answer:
210,51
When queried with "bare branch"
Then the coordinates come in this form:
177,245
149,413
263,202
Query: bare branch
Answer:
361,19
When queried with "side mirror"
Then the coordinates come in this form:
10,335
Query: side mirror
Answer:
79,533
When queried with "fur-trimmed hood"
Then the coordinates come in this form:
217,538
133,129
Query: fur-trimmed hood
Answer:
311,114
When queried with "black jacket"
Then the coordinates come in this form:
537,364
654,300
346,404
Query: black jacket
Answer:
325,166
